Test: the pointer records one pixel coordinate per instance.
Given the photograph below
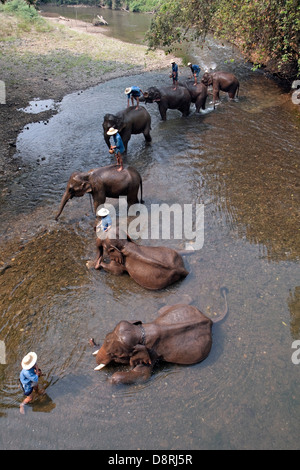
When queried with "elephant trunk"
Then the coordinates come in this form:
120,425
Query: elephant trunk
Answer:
64,201
107,139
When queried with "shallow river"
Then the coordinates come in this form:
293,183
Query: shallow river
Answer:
241,161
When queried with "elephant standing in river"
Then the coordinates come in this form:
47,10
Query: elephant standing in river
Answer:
104,182
168,98
128,121
151,267
180,334
198,93
223,81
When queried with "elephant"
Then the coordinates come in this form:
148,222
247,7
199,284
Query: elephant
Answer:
180,334
104,182
223,81
168,98
152,267
198,93
128,121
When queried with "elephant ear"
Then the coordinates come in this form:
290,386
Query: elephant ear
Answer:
155,94
119,123
140,355
115,254
84,182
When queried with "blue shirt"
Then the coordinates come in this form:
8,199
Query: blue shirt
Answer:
135,91
175,70
28,379
105,222
196,69
119,143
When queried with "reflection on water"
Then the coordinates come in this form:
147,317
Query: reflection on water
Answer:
38,106
240,161
128,27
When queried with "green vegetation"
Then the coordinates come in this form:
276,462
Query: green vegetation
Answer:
267,31
130,5
23,16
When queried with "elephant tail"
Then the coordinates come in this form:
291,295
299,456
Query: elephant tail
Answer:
223,291
141,188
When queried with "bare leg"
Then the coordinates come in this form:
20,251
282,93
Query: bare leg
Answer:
120,161
27,400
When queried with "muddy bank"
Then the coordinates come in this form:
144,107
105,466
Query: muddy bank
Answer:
70,56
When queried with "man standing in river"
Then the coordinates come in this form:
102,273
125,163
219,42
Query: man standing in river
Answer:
29,377
118,148
174,74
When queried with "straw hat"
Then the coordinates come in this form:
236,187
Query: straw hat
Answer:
102,212
112,131
189,63
127,90
29,360
172,61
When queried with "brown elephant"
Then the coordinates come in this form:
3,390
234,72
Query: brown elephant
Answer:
198,93
180,334
128,121
223,81
168,98
104,182
152,267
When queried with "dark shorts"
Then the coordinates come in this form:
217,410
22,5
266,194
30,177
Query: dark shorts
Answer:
29,392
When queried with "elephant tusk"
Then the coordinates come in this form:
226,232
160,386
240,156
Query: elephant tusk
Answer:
96,352
99,367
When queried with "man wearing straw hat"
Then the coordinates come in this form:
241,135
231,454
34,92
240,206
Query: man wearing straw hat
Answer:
118,148
133,92
29,377
105,222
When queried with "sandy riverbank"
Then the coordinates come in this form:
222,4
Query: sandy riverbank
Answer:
68,56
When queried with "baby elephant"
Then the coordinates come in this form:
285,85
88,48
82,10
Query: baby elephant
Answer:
180,334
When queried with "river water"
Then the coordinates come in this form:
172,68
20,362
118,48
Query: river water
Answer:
241,161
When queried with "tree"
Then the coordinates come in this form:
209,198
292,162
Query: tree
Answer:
267,31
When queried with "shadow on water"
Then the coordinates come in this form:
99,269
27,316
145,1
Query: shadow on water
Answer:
242,162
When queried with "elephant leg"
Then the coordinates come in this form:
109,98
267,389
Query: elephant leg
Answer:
184,109
202,103
132,198
146,133
216,93
231,94
163,111
140,373
112,267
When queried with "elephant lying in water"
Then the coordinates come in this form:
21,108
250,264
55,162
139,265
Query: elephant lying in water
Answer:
103,182
180,334
152,267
